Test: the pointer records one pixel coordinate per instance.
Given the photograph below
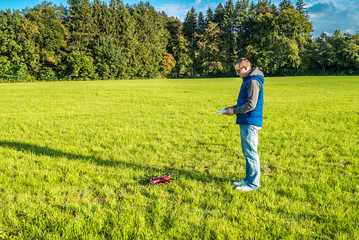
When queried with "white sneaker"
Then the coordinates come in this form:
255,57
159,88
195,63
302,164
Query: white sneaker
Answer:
242,182
244,188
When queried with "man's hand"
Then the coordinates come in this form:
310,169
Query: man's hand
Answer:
229,111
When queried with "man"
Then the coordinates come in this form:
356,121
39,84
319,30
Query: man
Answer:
249,111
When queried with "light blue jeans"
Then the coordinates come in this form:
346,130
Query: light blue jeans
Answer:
249,141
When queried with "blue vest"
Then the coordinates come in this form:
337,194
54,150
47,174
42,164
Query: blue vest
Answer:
254,117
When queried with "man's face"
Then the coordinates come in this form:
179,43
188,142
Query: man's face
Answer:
241,70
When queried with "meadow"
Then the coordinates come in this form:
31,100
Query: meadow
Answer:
74,158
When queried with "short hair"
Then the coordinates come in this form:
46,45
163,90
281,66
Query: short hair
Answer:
243,62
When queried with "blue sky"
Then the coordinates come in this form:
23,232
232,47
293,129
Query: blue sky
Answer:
325,15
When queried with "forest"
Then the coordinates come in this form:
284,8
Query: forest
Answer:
89,40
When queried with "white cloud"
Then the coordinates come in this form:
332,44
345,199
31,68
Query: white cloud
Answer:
351,31
174,10
329,15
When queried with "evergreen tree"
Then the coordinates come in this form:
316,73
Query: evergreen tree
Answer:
80,23
190,26
246,27
241,8
125,37
285,5
273,9
229,31
151,41
219,15
202,25
242,25
300,8
108,58
178,46
190,32
210,50
209,16
174,28
263,7
181,54
102,19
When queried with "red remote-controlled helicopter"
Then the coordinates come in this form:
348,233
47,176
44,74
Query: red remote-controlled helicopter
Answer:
158,180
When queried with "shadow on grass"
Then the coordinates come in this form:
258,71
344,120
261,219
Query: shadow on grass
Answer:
45,151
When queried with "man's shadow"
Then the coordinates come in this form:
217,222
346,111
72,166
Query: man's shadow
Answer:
41,151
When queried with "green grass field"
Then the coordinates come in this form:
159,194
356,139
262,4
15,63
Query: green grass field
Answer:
74,155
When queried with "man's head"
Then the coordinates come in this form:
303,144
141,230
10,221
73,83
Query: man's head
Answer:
243,67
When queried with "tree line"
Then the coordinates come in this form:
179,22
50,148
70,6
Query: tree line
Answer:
98,40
